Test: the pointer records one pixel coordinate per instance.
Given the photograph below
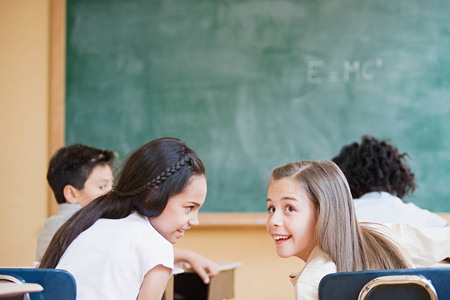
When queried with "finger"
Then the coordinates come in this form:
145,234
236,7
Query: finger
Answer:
203,275
213,269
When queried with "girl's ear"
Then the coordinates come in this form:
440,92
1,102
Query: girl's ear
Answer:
70,194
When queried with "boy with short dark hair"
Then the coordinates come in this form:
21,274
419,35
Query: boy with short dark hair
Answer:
77,175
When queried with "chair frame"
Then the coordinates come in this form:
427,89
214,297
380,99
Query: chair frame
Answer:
359,285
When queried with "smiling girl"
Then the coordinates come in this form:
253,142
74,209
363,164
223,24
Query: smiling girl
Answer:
120,245
311,216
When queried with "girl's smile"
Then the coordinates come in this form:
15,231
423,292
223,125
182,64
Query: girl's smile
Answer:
279,239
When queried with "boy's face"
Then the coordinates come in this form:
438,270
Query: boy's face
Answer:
99,182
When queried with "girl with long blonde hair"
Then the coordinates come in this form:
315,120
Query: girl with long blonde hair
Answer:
311,216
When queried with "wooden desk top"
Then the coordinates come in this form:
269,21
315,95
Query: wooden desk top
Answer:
223,266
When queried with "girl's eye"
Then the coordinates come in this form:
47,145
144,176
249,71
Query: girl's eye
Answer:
103,187
189,208
290,208
270,210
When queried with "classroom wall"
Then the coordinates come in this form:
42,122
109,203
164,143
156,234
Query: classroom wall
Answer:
24,119
23,127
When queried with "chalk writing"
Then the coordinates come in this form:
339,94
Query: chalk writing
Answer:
317,73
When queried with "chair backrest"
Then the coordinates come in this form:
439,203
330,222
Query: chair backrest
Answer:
57,284
411,284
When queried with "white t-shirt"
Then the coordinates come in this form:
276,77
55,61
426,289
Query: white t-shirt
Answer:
110,259
382,207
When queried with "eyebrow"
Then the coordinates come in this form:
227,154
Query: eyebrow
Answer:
284,198
194,203
105,180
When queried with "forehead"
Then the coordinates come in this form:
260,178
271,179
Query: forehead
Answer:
196,184
285,188
102,171
196,189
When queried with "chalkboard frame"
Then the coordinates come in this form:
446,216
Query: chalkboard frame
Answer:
56,111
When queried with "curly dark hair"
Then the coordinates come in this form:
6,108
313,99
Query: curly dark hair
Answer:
375,165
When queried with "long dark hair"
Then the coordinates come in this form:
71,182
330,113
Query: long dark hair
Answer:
149,177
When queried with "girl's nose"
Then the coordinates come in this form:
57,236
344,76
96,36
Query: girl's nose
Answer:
274,220
194,221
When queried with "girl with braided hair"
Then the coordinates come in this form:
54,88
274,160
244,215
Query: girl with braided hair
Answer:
311,217
120,245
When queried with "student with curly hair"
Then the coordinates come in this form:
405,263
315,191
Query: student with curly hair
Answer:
379,178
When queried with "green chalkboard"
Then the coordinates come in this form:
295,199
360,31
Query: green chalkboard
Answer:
252,84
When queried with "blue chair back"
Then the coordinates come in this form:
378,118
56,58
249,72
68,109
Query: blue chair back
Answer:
57,284
411,284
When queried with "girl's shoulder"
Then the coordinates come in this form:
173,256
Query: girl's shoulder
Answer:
139,224
318,265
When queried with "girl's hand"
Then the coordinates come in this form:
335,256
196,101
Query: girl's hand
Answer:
204,267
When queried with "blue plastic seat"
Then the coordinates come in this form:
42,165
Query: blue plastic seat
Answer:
57,284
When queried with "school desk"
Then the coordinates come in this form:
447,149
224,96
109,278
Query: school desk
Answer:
12,290
186,284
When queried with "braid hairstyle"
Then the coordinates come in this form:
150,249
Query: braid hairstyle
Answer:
170,166
151,175
157,180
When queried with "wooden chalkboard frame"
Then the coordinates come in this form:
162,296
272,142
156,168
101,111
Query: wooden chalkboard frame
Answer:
56,109
57,119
